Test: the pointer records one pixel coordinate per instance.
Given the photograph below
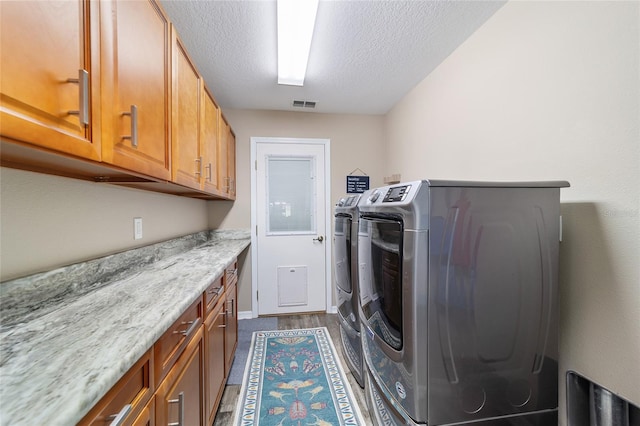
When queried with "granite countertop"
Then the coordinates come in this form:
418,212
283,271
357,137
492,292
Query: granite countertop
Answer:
61,353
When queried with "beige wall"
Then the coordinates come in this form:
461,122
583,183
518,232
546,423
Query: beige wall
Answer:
50,221
550,90
356,142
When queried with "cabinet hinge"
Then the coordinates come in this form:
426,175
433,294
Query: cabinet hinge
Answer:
256,164
257,295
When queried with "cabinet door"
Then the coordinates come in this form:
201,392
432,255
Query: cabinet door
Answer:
223,171
231,326
45,47
214,360
231,162
135,97
147,416
209,137
179,397
186,160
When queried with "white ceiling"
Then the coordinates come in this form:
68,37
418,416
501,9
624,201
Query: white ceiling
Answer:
365,54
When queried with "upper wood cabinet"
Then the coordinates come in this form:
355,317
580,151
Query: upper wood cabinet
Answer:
135,57
106,92
231,162
227,159
186,159
209,139
48,86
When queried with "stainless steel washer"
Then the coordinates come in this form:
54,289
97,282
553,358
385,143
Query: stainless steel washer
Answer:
346,277
458,290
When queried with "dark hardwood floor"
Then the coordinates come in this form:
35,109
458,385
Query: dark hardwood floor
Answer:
225,414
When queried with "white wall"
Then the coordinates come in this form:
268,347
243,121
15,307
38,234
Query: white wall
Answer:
545,91
357,141
50,221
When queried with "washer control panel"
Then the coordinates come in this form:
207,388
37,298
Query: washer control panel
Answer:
396,193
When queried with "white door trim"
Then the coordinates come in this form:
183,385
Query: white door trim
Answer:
327,227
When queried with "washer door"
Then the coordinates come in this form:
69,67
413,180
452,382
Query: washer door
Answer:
381,286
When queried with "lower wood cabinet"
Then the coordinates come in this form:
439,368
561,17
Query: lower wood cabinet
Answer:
179,399
231,325
147,416
180,380
214,356
127,398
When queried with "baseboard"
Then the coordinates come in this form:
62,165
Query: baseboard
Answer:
245,315
249,314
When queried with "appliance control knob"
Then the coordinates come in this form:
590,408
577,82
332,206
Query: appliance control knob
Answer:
374,196
340,202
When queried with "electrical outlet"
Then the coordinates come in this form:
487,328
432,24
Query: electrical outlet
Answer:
137,228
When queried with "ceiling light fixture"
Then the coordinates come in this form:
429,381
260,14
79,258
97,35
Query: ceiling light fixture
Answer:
296,19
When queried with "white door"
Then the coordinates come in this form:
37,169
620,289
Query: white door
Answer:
291,211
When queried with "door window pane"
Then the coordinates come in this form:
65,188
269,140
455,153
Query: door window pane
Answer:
290,195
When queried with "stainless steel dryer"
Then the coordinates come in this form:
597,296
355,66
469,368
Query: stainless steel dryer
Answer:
346,277
458,302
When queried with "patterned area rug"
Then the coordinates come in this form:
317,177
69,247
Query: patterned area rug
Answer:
294,378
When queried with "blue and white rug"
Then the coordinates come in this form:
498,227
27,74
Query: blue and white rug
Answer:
294,378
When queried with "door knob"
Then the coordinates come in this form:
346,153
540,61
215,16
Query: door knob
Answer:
319,239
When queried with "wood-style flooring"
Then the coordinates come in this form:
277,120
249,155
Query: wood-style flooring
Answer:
226,411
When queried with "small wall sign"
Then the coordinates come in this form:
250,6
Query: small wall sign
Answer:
357,184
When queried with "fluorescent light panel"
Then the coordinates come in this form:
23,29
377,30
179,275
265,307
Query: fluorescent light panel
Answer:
296,19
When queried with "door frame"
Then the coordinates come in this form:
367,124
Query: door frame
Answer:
326,143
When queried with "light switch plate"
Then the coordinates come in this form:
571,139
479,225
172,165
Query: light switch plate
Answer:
137,228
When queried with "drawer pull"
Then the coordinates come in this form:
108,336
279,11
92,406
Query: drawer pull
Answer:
187,331
216,291
134,126
118,419
180,402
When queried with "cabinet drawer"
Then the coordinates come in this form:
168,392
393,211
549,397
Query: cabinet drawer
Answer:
213,293
231,273
127,398
172,343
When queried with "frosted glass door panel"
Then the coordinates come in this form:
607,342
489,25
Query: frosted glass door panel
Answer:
291,195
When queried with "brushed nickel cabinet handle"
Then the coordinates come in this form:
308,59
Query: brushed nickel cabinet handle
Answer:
180,402
216,291
209,174
198,171
189,330
83,102
117,419
134,126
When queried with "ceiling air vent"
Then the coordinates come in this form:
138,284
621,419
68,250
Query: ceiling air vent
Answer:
304,104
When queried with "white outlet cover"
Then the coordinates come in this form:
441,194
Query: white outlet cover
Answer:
137,228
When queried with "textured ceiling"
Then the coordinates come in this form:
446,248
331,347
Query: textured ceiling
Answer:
365,54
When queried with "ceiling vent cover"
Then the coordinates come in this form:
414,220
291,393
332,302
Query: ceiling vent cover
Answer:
304,104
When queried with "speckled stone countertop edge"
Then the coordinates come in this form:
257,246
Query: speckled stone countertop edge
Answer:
55,367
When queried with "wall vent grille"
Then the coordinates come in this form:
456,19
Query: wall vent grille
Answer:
304,104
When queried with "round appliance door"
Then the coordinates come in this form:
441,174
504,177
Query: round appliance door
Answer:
380,257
